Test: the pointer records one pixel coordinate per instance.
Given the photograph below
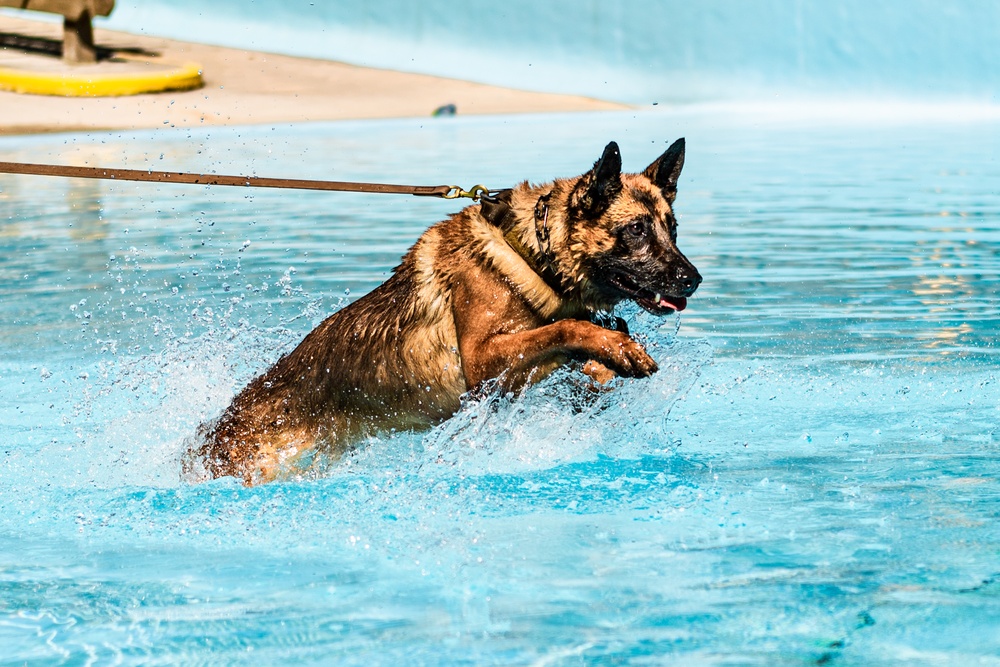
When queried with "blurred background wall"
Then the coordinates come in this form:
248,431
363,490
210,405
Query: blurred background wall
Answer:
638,51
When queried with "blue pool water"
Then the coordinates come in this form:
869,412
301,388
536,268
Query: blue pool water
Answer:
811,478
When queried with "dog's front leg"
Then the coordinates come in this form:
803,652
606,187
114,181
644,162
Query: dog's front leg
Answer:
521,352
498,334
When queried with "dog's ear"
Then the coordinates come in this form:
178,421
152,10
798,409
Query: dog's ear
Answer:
666,169
601,184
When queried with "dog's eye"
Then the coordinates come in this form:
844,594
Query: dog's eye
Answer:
636,229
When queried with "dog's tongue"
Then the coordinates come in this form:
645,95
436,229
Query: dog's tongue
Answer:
666,304
676,303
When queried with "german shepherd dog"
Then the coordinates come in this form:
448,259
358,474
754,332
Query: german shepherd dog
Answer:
508,289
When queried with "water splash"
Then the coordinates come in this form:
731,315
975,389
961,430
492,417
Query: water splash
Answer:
563,419
146,409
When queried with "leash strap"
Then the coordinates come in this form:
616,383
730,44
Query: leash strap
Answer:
443,191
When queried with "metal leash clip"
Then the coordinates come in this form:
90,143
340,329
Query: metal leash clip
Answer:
474,193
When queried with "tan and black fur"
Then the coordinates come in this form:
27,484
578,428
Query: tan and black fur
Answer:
506,289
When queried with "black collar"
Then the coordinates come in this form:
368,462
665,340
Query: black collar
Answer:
496,210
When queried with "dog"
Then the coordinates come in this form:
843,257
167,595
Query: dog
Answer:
506,290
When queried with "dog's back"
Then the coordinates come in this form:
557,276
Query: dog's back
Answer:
387,361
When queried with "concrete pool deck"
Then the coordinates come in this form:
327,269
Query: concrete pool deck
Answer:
249,87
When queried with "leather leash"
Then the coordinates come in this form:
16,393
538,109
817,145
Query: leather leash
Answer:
443,191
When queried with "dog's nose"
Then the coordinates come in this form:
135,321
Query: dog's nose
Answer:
689,279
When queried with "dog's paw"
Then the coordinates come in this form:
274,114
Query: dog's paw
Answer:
598,372
628,358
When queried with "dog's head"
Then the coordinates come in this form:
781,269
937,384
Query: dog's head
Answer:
621,238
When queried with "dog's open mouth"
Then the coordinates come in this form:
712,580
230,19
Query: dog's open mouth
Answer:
655,302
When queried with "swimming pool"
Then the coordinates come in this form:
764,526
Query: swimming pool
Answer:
811,478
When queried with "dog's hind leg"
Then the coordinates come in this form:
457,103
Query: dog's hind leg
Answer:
231,448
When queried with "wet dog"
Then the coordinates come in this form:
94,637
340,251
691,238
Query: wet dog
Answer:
508,289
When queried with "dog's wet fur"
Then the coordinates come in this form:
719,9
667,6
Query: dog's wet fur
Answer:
506,289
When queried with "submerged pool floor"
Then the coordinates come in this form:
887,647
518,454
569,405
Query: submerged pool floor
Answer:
812,477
